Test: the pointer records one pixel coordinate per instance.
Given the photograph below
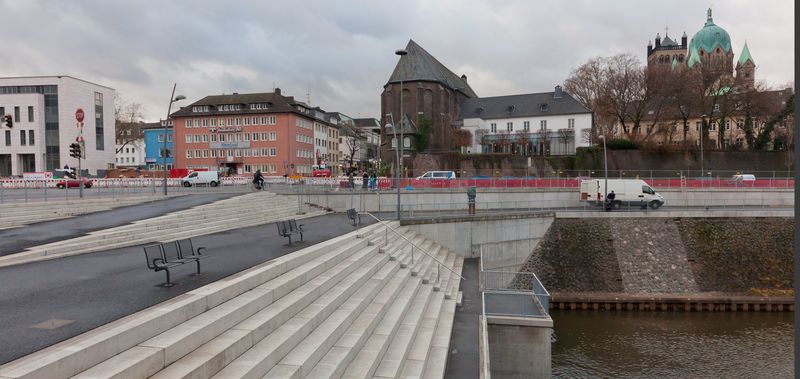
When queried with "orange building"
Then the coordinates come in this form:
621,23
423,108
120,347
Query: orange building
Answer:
242,133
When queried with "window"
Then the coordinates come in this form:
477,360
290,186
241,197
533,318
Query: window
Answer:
221,138
30,137
494,128
196,138
238,152
406,142
30,114
169,137
526,126
264,152
238,121
205,122
255,152
213,138
255,120
543,124
273,136
697,126
727,124
188,154
247,136
255,137
543,107
2,111
16,114
247,121
713,126
161,138
273,152
213,122
510,126
188,139
571,123
716,107
272,120
200,108
8,138
739,124
189,123
205,137
394,143
22,138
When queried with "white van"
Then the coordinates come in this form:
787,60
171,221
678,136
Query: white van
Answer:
201,177
631,192
438,175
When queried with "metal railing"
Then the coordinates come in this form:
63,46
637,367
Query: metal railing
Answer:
487,372
413,245
527,295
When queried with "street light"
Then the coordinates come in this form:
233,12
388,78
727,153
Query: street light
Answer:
605,164
702,125
397,171
172,99
401,53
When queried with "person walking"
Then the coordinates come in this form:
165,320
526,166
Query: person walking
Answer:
258,180
610,200
372,181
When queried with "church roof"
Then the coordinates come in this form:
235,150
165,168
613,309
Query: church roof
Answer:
419,65
745,56
526,105
668,41
708,39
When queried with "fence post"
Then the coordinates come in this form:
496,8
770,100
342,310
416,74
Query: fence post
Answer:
25,186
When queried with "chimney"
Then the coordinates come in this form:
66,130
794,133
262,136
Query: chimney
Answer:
277,91
464,77
557,94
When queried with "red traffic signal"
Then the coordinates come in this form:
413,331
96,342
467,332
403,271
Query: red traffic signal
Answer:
9,122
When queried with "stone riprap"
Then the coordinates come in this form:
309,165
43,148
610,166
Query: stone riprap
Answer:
666,256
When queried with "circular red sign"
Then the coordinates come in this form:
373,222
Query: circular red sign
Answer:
79,115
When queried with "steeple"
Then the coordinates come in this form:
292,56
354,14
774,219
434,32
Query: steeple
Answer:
709,19
745,56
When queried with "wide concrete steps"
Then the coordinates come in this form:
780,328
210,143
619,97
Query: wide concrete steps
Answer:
232,213
20,214
342,308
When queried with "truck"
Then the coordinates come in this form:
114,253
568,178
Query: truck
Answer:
630,192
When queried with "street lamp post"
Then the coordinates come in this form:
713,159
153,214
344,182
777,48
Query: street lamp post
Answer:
399,148
605,164
172,99
702,126
397,170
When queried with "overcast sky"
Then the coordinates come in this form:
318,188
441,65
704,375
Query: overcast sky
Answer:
342,52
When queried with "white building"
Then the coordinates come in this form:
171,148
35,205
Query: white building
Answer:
43,109
131,154
549,123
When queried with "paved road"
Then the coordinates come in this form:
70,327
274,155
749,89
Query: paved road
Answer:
16,239
463,359
93,289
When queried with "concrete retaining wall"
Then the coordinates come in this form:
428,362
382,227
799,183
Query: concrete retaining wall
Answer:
538,198
509,239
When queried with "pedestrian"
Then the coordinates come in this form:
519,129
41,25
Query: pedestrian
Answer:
610,200
351,181
471,193
364,180
373,181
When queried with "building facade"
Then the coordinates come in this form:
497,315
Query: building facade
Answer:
242,133
154,146
44,113
548,123
132,154
430,92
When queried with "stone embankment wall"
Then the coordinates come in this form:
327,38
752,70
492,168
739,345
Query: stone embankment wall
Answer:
666,256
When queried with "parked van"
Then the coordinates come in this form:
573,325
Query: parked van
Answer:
630,192
744,178
438,175
201,177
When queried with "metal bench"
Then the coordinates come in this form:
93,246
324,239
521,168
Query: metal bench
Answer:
288,229
162,257
353,216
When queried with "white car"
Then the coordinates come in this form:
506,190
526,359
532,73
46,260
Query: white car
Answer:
210,178
438,175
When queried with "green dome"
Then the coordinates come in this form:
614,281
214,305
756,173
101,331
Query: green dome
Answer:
708,39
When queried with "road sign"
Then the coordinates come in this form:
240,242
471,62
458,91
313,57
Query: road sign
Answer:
79,115
79,138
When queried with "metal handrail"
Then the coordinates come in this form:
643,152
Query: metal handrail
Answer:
485,336
413,244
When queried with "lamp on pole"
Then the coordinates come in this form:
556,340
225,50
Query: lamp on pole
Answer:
702,126
605,164
397,171
172,99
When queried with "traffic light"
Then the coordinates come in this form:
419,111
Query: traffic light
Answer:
75,150
9,122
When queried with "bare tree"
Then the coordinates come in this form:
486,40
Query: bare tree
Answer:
565,135
523,139
480,135
353,143
586,83
543,135
462,138
127,122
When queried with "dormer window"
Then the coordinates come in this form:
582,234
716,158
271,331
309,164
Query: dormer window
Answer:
510,109
478,110
230,107
200,108
543,107
259,106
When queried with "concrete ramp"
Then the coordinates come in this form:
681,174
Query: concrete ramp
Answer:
651,256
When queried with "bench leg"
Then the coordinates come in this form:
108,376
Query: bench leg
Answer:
198,266
301,236
290,240
168,283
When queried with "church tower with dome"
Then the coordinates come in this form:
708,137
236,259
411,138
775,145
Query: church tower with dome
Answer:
710,50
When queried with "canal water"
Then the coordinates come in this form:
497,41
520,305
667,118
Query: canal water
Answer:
672,345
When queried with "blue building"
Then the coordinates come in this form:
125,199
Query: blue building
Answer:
154,145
